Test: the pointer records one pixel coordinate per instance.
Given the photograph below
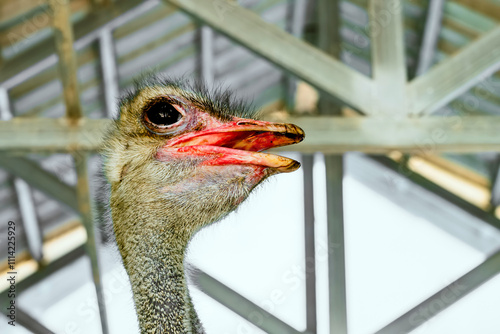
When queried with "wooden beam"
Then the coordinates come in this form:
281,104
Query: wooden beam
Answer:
323,134
453,77
282,49
63,34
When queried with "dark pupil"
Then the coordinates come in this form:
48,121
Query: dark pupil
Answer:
163,113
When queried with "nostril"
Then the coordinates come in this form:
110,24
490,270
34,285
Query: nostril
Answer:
245,123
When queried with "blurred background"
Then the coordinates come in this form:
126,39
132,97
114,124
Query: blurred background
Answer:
390,226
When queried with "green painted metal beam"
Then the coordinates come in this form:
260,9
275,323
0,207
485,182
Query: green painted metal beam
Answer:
454,76
326,134
269,41
242,306
40,179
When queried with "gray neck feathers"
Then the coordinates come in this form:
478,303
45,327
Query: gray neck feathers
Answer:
153,255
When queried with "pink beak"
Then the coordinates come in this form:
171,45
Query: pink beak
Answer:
238,143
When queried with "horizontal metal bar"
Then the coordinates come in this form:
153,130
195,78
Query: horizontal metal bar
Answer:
242,306
51,135
40,179
445,297
323,134
270,42
456,75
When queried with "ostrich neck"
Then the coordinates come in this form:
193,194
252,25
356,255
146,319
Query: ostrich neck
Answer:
153,255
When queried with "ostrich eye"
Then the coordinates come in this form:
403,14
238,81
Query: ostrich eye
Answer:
161,116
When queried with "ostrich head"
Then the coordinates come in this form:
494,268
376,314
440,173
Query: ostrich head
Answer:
179,158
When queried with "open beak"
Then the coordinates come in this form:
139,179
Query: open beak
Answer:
238,143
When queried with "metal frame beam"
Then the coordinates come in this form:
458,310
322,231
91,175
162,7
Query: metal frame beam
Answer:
334,165
40,179
27,321
241,306
434,16
309,243
51,135
63,35
269,41
29,63
447,296
207,72
87,217
324,134
296,28
388,57
448,80
109,71
471,225
471,209
32,229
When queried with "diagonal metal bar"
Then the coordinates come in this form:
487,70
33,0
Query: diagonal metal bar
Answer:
269,41
242,306
445,297
51,268
422,202
435,9
31,62
443,193
309,243
334,165
388,57
453,77
85,208
63,34
40,179
27,321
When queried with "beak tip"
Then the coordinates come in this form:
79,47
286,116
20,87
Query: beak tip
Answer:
299,133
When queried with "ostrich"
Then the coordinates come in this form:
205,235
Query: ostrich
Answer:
180,158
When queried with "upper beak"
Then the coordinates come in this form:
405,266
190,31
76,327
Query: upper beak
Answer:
238,142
